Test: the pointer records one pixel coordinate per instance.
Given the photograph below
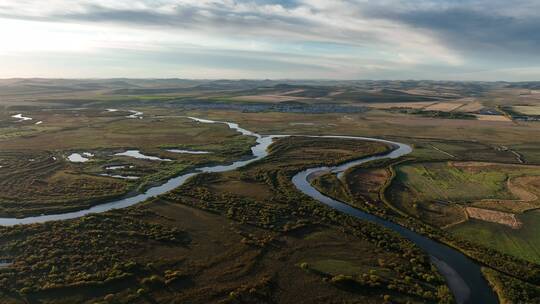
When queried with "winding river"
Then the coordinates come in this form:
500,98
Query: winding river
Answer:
461,273
463,276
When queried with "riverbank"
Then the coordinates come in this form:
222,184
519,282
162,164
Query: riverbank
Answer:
462,289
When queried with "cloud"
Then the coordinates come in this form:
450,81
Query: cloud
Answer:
353,38
303,21
483,28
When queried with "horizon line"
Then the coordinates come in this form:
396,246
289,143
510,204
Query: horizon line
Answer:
257,79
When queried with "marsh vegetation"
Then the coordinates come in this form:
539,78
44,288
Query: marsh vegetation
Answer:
248,235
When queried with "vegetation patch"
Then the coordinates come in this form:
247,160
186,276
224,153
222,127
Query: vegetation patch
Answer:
511,290
523,242
504,188
36,177
436,113
87,253
241,248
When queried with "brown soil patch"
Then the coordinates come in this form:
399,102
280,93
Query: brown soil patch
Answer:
504,218
444,106
491,117
370,180
518,187
366,183
470,106
473,164
442,214
515,206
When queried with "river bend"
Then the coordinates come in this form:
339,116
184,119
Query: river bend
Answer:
463,275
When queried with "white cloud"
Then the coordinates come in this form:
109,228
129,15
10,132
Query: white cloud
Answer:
350,39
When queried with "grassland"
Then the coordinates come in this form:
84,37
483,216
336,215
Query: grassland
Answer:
202,243
445,182
37,177
533,110
37,183
407,128
440,193
366,187
425,189
523,243
247,236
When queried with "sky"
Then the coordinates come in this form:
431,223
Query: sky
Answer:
487,40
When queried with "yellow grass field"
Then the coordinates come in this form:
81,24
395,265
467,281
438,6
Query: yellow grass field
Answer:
411,105
267,98
444,106
527,110
471,106
492,117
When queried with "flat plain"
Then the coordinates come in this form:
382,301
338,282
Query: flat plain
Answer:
248,235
